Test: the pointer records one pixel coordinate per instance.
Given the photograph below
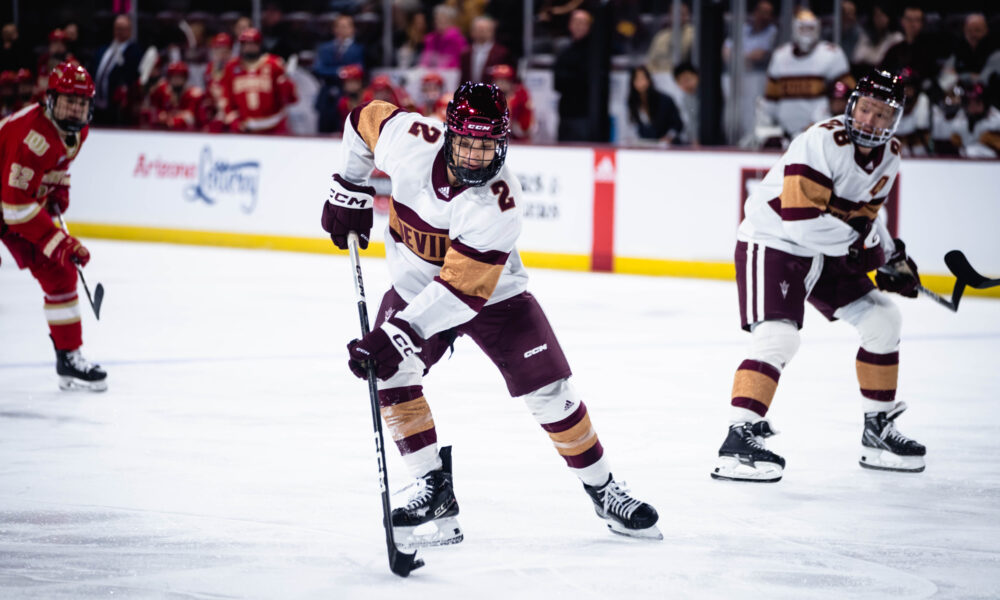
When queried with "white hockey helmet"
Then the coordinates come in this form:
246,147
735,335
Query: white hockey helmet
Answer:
805,31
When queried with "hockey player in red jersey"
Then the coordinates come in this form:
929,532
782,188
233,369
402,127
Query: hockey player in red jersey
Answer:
175,106
522,117
813,231
257,90
220,53
454,218
37,145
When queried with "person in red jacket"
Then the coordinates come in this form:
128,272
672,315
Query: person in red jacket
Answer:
37,145
522,117
352,79
173,105
257,90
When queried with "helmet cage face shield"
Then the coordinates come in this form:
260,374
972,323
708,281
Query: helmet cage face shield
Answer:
476,134
871,121
474,159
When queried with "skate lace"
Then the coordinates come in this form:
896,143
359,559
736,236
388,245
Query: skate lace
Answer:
617,500
421,496
79,363
892,434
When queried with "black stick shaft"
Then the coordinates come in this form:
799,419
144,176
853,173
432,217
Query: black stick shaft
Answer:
93,307
399,562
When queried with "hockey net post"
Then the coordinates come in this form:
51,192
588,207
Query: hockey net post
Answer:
400,562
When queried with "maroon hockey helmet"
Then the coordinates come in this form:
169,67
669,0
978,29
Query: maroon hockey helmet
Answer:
70,79
477,111
887,89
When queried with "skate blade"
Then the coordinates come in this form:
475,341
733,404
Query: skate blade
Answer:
649,533
441,532
731,469
883,460
73,384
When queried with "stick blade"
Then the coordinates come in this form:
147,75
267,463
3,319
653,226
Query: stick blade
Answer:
98,299
959,265
402,563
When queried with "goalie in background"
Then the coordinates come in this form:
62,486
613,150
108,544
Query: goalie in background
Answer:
37,145
813,231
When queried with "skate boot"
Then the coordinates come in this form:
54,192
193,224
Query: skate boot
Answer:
625,515
428,519
885,448
75,373
743,456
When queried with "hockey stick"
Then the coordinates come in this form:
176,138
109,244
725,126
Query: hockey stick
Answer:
98,297
400,563
952,304
960,267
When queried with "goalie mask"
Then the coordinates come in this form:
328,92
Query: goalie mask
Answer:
478,123
71,82
874,109
805,31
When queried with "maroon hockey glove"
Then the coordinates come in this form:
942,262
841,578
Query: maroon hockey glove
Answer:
387,346
349,208
58,200
866,254
64,249
900,274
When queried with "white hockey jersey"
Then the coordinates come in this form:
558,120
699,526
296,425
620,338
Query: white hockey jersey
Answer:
450,250
805,202
798,84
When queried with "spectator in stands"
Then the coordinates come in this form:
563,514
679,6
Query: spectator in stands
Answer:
443,47
686,76
522,115
382,88
760,35
116,72
876,39
8,92
660,57
555,15
571,73
14,54
239,26
331,56
54,55
652,115
915,51
850,29
408,53
944,115
433,101
275,32
484,53
973,49
26,92
836,103
914,130
976,129
509,16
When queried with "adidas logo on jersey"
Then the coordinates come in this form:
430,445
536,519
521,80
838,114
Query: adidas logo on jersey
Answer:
784,289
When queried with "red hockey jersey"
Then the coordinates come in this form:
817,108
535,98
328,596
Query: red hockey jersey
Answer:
257,95
166,111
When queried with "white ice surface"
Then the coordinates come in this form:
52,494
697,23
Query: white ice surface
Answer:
232,456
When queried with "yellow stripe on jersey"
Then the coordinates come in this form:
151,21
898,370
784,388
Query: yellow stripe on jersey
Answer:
370,121
469,276
779,88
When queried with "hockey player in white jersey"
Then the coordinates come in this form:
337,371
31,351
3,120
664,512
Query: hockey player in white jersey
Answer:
455,215
799,78
812,232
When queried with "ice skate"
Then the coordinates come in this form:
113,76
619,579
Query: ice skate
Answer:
76,373
625,515
428,519
743,456
885,448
